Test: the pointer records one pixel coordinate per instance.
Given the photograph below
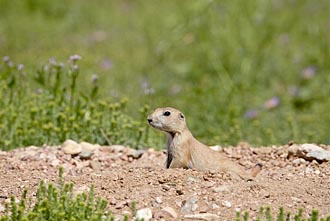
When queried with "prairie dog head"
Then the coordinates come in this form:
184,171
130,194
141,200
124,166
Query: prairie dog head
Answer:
167,119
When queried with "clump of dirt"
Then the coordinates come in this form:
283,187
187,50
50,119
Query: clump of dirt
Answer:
123,176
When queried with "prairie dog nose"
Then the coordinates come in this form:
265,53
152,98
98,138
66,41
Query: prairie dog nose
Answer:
149,119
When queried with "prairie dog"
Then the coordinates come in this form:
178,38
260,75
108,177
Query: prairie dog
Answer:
185,151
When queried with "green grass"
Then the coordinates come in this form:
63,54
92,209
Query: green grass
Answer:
57,111
57,202
217,61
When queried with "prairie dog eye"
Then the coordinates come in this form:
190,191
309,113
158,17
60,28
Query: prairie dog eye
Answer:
167,113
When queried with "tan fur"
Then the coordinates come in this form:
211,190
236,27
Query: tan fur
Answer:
185,151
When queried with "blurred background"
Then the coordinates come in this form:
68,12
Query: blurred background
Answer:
255,71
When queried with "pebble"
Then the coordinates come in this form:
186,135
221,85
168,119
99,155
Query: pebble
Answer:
309,170
190,205
192,179
215,206
95,165
145,214
313,152
28,154
159,200
121,204
119,217
117,148
292,150
71,147
106,149
222,188
88,146
137,154
55,163
299,161
170,211
2,208
203,216
85,154
226,203
43,156
81,189
208,184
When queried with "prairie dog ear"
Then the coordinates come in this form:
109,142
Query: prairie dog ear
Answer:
181,116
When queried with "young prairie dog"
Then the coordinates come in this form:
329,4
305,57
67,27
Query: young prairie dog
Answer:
185,151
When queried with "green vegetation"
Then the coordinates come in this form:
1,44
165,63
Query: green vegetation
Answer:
59,202
255,71
265,215
56,111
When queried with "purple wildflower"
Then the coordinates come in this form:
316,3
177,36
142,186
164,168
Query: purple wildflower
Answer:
251,114
308,73
6,59
272,103
75,58
106,64
20,67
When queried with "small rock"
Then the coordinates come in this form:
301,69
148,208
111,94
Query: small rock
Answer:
292,150
203,216
119,217
309,170
166,213
208,184
55,163
43,156
81,189
137,154
222,188
190,205
192,179
203,209
2,208
85,154
299,161
88,146
106,149
3,154
71,147
117,148
28,154
145,214
121,204
95,165
159,200
313,152
215,206
51,157
296,199
226,203
166,187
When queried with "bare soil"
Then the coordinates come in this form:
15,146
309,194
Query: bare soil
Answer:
121,178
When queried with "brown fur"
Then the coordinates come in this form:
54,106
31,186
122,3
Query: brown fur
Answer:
185,151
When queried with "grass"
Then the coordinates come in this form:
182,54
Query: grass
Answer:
57,111
59,202
254,71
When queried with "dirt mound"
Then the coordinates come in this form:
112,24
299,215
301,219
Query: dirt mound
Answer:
123,176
